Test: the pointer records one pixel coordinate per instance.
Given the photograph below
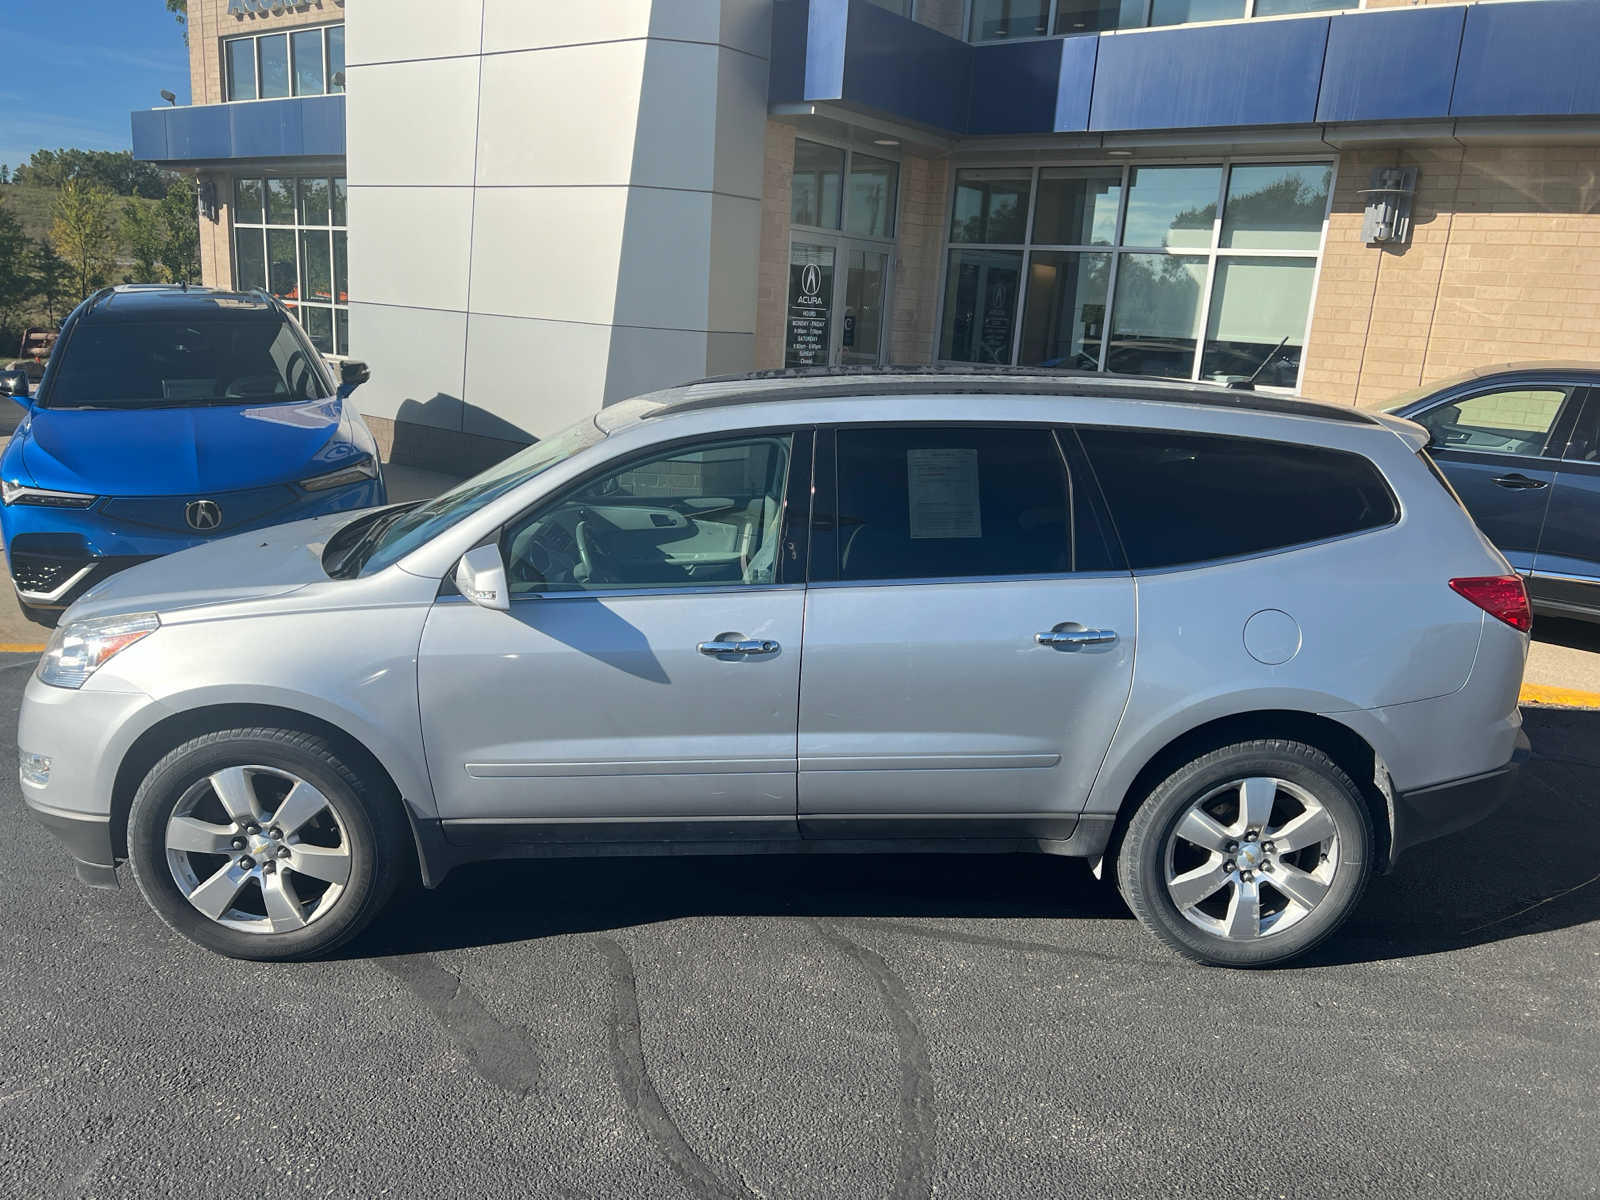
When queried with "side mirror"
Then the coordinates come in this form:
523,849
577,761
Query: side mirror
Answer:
352,374
481,578
15,385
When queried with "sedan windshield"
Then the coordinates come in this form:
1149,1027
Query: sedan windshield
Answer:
419,525
172,364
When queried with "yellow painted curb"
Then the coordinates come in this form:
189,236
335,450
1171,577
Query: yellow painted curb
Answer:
38,648
1544,693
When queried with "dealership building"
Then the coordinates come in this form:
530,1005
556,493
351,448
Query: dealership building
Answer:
520,211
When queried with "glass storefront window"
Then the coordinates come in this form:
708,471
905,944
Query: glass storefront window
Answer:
250,262
1172,207
1256,303
241,64
1009,19
1182,12
308,75
313,201
1276,207
282,267
1087,16
284,242
991,206
335,58
339,198
818,176
980,305
280,202
869,205
1155,321
1064,318
1078,206
273,53
1281,8
247,202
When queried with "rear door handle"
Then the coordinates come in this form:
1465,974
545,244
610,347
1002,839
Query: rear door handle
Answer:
1067,639
733,644
1519,482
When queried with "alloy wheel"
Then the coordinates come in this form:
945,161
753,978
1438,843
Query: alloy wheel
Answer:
1251,858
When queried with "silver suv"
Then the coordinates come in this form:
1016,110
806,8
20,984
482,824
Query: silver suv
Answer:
1239,650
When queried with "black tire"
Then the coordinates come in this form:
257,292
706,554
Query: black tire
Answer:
374,831
1142,860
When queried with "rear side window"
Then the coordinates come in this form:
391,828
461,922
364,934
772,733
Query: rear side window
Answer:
147,364
1185,498
951,502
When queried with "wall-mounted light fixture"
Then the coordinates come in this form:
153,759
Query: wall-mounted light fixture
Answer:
169,97
1388,217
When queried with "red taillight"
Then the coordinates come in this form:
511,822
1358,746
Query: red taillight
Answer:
1501,596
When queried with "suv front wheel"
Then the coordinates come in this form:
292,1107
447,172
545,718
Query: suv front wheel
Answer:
264,844
1249,855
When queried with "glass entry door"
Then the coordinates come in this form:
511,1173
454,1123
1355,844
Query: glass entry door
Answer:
838,303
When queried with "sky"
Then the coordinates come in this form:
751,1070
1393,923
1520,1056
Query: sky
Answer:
75,69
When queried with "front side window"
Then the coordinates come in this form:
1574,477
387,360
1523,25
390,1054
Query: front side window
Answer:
699,515
1179,498
951,503
1504,421
290,239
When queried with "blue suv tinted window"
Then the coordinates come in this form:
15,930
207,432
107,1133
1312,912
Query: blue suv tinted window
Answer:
1188,497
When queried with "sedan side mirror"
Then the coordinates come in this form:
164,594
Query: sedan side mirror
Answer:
481,578
15,385
352,374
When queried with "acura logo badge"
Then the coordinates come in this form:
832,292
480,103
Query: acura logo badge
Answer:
203,515
811,282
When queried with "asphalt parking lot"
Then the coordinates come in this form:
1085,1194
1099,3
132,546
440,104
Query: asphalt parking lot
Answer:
787,1027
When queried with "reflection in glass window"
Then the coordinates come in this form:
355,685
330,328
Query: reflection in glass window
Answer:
1276,207
241,64
339,192
280,202
247,201
250,260
1009,19
341,268
335,58
1087,16
1156,319
818,173
980,305
1181,12
308,79
990,206
313,202
274,54
316,267
1064,319
1171,206
869,205
318,324
1256,303
1279,8
281,266
282,242
1077,206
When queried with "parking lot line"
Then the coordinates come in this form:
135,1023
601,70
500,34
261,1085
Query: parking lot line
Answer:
1544,693
21,647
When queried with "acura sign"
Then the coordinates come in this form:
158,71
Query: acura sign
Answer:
245,8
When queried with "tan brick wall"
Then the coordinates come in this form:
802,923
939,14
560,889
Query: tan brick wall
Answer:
943,15
209,24
216,248
924,183
772,278
1504,264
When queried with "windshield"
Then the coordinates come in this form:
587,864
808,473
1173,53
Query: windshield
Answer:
419,525
170,364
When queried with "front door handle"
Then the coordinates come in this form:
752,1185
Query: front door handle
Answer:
1068,639
734,644
1519,482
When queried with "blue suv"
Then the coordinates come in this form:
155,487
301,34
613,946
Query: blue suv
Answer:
168,417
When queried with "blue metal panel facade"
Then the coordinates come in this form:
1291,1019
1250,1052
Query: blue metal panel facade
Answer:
1252,73
302,127
1014,87
1075,84
1386,66
1523,60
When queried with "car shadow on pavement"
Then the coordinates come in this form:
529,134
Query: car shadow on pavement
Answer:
1530,868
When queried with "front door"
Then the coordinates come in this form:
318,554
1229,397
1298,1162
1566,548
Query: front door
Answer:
838,302
644,683
969,649
1492,446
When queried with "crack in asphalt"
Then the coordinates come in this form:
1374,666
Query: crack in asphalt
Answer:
639,1090
1000,943
914,1175
497,1052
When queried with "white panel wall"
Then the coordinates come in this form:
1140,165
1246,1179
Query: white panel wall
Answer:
561,200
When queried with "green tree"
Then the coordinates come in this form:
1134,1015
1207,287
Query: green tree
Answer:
51,279
16,280
180,224
144,235
180,10
84,233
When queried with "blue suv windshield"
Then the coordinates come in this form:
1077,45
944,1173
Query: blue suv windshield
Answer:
173,364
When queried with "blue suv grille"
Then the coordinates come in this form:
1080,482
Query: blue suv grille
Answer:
233,510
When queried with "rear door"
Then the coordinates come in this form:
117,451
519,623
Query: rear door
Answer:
1494,446
1566,569
969,639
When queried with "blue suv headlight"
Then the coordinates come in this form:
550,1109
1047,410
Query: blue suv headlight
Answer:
363,470
17,493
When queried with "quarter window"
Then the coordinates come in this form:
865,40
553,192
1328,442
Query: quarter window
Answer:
701,515
289,238
1508,421
1180,498
952,503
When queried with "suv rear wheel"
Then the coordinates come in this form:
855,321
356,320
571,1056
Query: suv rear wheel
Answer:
1249,855
264,844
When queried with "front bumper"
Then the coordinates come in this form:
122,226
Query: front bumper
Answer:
1427,813
86,839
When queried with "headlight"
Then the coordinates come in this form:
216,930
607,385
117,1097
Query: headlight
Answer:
16,493
365,469
79,649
